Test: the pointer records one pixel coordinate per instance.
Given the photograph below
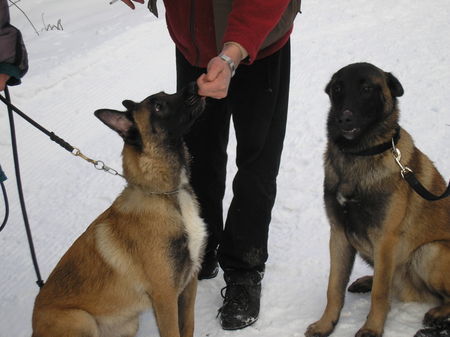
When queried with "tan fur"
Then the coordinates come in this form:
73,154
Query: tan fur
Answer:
123,263
410,250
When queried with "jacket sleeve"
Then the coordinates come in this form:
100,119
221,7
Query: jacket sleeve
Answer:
251,21
13,55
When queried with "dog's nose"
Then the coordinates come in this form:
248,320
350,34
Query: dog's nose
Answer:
346,118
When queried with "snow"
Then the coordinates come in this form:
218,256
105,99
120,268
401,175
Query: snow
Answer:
106,54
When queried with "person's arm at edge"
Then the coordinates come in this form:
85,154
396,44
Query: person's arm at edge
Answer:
13,55
130,4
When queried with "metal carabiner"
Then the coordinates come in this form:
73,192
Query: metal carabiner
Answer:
398,156
100,165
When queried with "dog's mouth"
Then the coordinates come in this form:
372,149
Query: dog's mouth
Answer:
192,101
350,134
195,104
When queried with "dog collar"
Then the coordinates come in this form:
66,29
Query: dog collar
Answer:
162,193
175,191
372,151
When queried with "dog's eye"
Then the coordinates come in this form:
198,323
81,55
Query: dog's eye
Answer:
337,89
157,107
367,89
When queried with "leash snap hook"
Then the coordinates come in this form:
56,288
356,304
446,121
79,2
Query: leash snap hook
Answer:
100,165
111,171
398,156
404,171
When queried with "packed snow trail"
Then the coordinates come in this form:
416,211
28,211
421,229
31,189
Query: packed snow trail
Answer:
104,54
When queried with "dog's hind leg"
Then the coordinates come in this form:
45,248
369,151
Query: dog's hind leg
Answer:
64,323
186,304
434,265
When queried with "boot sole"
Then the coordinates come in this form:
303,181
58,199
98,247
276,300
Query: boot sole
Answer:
239,327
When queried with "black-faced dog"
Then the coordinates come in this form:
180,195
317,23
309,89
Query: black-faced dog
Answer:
145,250
373,211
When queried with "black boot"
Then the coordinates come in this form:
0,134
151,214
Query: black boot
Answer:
433,332
241,300
210,267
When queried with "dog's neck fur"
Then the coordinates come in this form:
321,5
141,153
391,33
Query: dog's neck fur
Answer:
153,171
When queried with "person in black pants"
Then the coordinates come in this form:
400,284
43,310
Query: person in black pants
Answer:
257,101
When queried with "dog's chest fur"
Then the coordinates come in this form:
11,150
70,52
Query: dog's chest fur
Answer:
356,196
169,226
194,225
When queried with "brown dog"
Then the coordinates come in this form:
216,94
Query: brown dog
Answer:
374,212
145,250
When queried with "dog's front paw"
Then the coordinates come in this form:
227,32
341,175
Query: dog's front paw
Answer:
363,332
319,329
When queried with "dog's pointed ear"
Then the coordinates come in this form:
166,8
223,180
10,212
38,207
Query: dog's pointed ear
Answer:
130,105
116,120
394,85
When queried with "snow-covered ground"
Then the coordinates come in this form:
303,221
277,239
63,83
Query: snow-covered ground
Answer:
105,54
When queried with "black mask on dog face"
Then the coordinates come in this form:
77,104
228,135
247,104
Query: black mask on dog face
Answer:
361,97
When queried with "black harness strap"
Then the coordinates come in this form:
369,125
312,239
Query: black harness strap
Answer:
407,174
421,190
52,136
98,164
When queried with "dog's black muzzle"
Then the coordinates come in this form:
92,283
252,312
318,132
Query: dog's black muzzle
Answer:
193,102
347,124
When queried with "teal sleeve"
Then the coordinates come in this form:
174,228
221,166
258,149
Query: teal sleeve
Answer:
11,70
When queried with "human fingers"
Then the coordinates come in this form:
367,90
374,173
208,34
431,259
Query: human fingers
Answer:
131,4
216,67
217,88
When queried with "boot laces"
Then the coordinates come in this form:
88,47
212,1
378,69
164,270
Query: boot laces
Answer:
234,294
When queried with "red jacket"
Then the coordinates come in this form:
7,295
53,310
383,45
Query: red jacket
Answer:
191,26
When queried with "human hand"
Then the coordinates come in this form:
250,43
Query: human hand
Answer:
130,4
217,79
3,79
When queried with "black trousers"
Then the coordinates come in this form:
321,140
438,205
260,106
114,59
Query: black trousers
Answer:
257,101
